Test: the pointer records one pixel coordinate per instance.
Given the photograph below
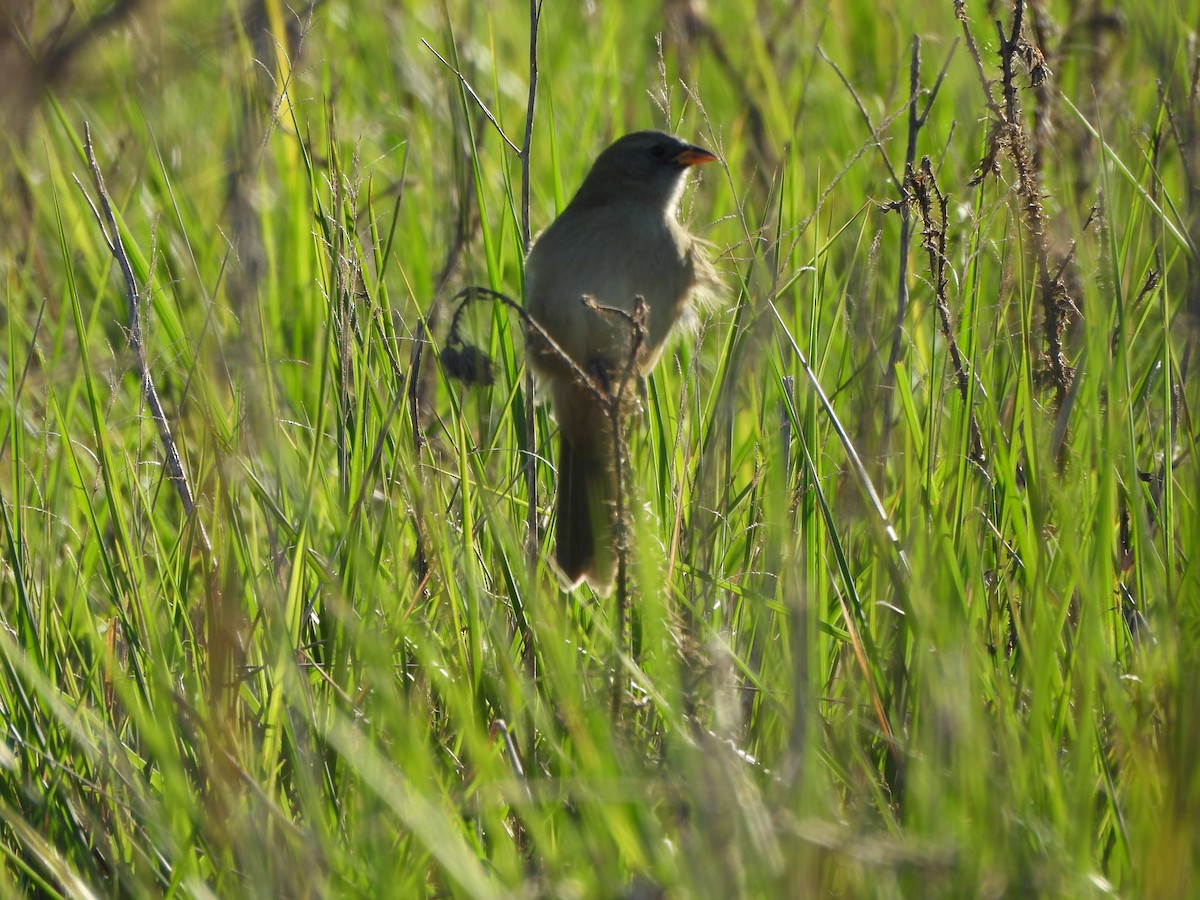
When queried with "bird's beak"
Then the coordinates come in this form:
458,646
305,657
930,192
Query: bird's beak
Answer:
691,155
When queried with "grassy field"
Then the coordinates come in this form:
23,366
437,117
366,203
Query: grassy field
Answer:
912,605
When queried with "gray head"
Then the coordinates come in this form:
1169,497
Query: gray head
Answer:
645,164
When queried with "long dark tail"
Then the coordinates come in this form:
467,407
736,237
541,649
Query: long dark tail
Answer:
585,513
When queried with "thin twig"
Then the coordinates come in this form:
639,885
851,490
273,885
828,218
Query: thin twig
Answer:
932,204
1008,135
412,390
474,96
112,239
876,134
612,402
476,292
609,395
535,17
531,486
915,123
910,155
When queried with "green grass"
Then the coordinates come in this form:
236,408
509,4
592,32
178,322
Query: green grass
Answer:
859,661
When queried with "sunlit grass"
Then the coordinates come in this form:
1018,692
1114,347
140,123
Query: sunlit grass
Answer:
860,659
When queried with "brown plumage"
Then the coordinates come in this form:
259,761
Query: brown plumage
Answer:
618,239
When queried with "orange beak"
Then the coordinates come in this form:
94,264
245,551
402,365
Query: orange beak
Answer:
693,156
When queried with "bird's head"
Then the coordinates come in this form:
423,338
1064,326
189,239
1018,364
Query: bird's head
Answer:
647,165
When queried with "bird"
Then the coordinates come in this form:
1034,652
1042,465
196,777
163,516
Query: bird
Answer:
617,246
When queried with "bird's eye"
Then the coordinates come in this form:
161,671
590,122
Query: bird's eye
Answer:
660,151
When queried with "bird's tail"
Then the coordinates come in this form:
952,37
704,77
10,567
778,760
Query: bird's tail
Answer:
586,515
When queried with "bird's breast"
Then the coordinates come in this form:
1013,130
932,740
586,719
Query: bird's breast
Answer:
612,255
